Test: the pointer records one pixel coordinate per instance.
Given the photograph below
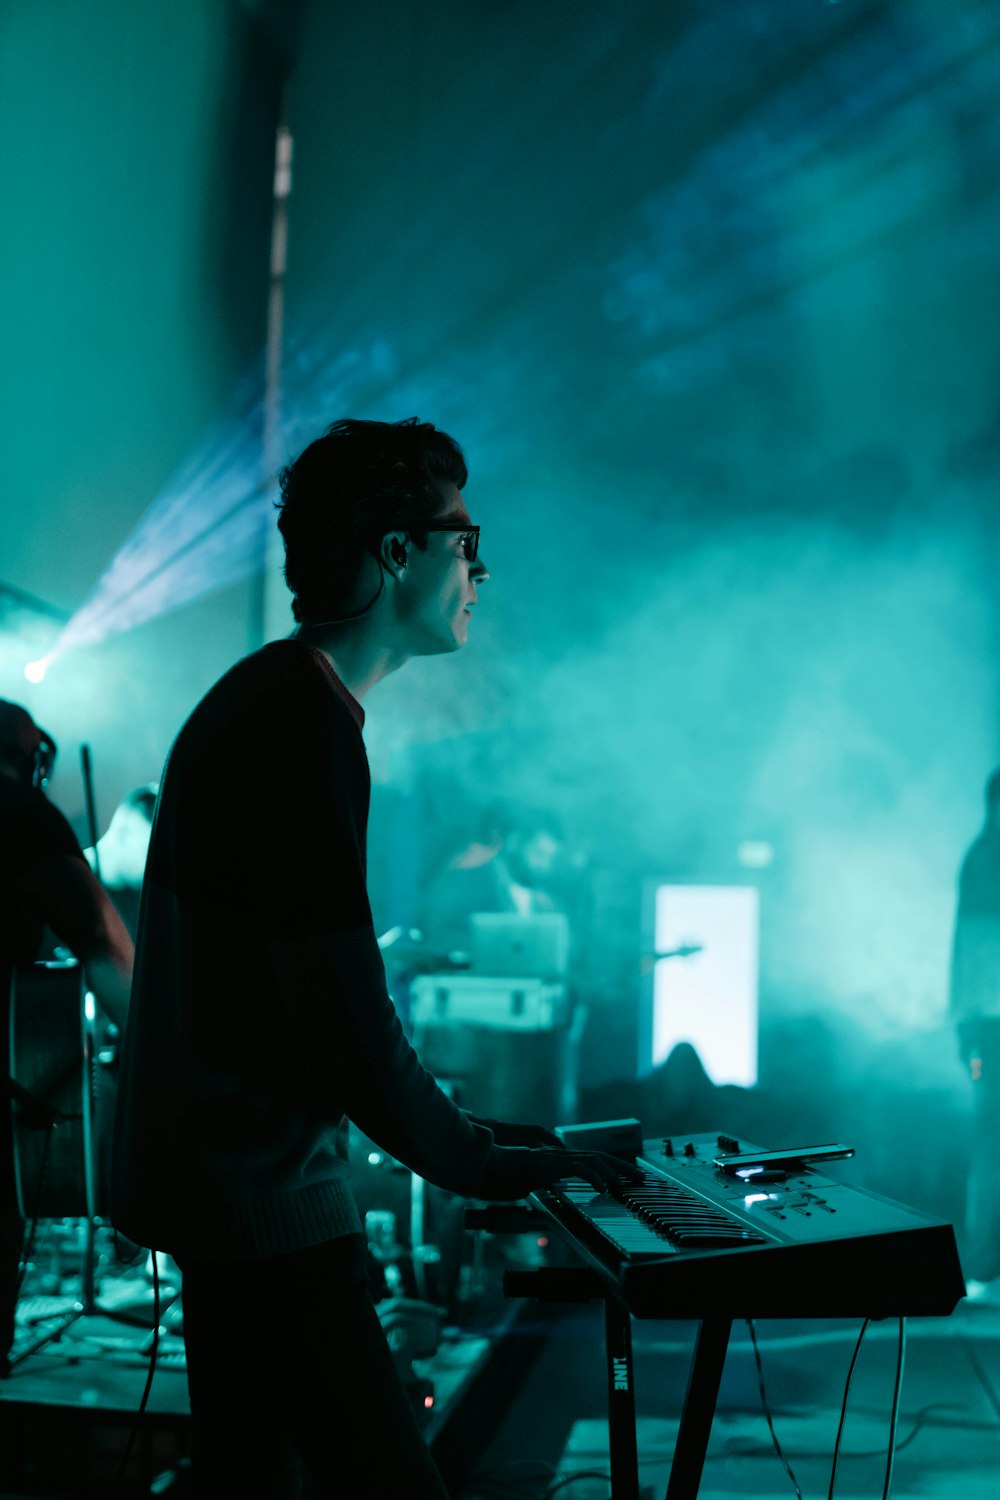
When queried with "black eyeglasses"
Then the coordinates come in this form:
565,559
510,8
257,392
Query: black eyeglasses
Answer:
468,534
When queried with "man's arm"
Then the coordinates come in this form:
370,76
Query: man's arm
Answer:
64,892
357,1059
305,862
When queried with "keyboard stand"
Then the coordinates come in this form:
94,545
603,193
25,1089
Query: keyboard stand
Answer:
702,1393
579,1284
621,1400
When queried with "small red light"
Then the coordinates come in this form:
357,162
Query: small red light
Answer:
428,1402
542,1241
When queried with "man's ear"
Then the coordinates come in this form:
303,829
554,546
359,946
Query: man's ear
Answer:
392,552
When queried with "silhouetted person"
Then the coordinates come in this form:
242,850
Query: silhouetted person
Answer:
119,862
44,881
676,1097
260,1018
975,1008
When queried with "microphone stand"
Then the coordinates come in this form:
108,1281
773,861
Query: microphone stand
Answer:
88,1022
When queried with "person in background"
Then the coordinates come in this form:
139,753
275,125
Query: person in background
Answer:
44,881
975,1009
119,858
515,861
260,1019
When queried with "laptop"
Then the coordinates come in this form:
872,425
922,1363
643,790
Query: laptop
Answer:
508,945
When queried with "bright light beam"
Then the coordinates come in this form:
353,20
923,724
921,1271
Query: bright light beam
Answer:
685,287
209,526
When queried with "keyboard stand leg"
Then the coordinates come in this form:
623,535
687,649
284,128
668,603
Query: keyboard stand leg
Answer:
699,1408
621,1401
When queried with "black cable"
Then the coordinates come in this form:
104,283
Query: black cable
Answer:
920,1420
843,1406
893,1419
137,1419
569,1479
124,1260
504,1481
989,1390
767,1409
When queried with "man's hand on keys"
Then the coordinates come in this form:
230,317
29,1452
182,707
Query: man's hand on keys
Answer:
513,1172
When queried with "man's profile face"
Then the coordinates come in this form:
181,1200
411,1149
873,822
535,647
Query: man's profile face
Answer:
440,590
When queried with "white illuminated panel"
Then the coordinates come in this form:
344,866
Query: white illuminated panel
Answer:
708,998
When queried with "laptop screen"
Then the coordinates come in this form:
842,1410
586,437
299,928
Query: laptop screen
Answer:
506,944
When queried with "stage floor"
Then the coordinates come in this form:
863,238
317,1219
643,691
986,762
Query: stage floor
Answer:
948,1438
67,1408
70,1404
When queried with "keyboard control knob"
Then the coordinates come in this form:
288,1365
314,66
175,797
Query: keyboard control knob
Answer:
689,1149
668,1146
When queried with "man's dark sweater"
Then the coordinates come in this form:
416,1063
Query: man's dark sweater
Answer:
260,1019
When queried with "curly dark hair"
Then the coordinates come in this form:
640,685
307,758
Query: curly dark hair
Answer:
342,494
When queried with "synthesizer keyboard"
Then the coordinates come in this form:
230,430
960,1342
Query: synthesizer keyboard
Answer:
691,1241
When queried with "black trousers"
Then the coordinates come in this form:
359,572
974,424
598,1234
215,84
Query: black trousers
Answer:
293,1388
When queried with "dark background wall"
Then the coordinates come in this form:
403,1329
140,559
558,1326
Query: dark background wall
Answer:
708,294
138,165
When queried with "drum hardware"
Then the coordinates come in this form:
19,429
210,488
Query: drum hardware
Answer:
413,1332
408,948
62,1100
420,1271
390,1257
62,1065
54,1084
413,1229
406,1302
